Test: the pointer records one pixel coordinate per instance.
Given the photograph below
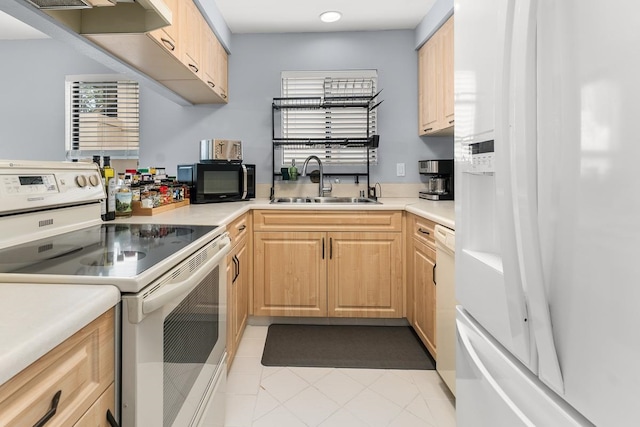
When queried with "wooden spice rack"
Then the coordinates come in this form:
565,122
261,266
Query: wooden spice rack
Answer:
137,208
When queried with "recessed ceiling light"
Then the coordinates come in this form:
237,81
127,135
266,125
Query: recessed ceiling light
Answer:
330,16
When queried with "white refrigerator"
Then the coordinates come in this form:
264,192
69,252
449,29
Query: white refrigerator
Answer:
547,149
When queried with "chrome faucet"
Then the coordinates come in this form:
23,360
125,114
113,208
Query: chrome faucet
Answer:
322,190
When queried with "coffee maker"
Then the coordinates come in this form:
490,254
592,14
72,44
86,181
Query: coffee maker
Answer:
439,175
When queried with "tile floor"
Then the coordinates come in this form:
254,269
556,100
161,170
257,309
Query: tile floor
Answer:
263,396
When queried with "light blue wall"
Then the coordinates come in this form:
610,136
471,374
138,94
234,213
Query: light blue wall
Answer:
32,112
439,13
32,76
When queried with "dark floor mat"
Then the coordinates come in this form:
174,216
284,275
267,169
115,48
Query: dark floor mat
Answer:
345,346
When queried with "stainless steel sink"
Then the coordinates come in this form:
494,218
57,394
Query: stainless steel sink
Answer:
342,200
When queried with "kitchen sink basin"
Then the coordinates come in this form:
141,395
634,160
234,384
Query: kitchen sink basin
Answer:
342,200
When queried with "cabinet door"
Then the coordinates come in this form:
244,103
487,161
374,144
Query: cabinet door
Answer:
424,292
365,275
190,35
290,274
241,292
209,58
447,73
231,272
237,296
168,36
223,71
96,416
422,91
431,79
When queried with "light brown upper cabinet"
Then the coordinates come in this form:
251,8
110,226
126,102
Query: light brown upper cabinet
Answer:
168,36
215,64
191,34
435,83
180,56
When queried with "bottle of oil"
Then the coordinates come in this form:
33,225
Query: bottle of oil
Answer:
103,202
109,179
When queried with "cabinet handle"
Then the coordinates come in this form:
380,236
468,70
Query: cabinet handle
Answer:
224,95
451,121
434,275
236,264
51,412
323,248
111,419
428,129
168,44
242,227
424,231
211,83
194,68
330,248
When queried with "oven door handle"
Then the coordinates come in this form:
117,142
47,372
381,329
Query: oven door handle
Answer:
168,293
245,184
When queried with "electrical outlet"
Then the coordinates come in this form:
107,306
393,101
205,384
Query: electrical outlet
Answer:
400,169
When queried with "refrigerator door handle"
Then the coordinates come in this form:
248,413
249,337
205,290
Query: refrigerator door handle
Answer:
524,173
504,192
467,347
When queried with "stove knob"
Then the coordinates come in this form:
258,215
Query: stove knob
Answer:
93,180
81,180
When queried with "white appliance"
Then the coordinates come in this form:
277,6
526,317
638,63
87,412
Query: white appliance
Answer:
172,279
446,305
547,222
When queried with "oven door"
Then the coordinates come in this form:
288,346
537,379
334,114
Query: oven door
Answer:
220,182
173,342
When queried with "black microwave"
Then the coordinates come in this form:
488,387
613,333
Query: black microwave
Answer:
219,181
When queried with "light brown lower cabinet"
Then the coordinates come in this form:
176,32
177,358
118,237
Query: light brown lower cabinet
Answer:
79,371
324,271
238,282
422,265
421,287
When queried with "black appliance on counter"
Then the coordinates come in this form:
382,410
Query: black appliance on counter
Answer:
439,181
219,181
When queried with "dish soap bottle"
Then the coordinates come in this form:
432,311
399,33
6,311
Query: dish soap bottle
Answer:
293,171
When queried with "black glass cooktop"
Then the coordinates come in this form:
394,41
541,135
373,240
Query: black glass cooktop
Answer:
111,250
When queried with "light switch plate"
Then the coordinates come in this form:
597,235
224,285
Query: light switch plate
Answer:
400,169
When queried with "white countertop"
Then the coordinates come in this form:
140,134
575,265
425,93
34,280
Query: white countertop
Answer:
441,212
36,318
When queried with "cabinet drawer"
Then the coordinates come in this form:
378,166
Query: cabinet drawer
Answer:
81,368
423,229
238,228
281,220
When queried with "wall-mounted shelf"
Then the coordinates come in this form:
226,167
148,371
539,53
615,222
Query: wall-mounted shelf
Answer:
359,103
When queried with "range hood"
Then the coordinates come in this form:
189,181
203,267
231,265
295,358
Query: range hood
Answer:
70,4
117,16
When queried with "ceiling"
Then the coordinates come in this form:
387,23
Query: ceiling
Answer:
286,16
283,16
13,29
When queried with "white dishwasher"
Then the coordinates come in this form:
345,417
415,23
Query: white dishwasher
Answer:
446,305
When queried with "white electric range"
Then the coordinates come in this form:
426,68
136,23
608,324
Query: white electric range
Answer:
172,279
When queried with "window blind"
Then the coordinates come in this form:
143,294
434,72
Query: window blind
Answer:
329,123
103,118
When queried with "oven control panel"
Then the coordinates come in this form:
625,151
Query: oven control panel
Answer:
29,186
